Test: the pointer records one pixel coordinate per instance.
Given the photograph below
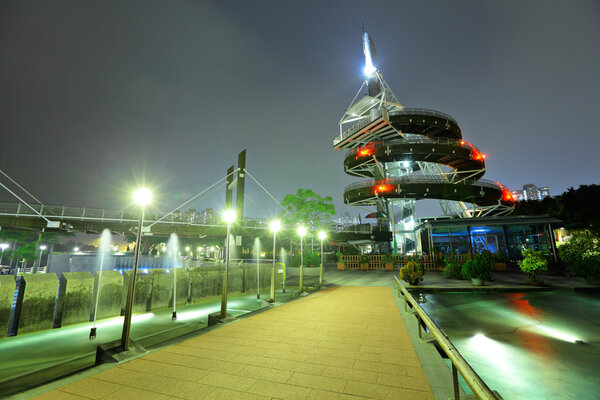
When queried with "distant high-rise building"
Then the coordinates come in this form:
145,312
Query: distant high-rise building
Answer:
530,192
207,216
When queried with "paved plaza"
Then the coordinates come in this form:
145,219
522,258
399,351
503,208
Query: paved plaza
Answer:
339,343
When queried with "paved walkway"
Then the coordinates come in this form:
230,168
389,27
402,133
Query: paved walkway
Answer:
340,343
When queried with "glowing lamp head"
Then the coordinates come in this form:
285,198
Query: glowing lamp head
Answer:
76,249
301,230
200,248
142,196
4,246
275,226
187,248
322,235
229,216
369,69
43,247
212,248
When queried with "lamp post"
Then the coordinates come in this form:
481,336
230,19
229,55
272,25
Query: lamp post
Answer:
229,217
141,197
3,246
322,236
42,248
275,226
301,232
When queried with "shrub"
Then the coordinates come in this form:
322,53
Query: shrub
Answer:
340,259
387,258
588,268
440,262
412,273
532,262
453,270
364,259
578,247
480,266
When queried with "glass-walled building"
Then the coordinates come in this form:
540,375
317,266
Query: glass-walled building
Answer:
505,236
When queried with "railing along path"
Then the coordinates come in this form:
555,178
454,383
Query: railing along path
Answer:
459,364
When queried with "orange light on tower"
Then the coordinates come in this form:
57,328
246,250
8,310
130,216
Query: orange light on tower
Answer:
507,196
383,188
366,150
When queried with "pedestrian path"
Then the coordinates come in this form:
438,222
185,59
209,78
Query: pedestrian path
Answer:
339,343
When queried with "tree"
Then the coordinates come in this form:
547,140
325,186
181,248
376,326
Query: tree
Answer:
307,208
576,207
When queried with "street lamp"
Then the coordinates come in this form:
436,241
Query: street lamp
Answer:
229,217
322,236
141,197
76,249
42,248
274,226
301,232
3,246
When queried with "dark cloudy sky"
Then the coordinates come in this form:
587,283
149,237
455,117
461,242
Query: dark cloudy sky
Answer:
99,96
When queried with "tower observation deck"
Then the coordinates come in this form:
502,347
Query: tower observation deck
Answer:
410,154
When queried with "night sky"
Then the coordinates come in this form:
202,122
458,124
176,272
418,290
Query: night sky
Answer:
99,97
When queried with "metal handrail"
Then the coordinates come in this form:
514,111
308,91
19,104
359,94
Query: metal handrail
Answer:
377,114
421,179
477,385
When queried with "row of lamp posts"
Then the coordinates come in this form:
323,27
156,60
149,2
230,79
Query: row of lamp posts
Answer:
143,197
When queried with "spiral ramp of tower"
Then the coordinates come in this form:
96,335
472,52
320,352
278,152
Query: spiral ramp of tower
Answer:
411,154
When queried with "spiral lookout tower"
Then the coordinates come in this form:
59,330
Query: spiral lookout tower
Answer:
410,154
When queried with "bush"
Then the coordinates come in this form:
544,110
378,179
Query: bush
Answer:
311,259
340,259
453,270
532,262
412,273
578,247
440,262
588,268
364,259
387,258
479,267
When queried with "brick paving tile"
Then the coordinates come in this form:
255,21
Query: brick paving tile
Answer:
350,373
286,355
393,369
357,355
318,382
182,389
123,376
58,395
328,360
279,390
269,374
166,370
408,382
91,388
226,394
219,366
317,394
129,393
382,392
227,381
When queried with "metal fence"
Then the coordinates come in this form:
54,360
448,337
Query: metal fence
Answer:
430,262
